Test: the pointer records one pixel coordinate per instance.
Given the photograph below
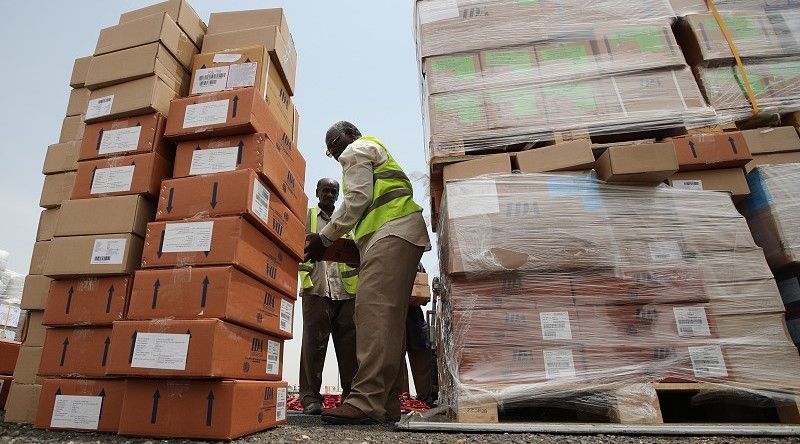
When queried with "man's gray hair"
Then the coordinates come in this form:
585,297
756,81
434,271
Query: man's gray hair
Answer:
339,130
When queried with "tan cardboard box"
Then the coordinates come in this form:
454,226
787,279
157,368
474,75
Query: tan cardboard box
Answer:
100,255
61,157
79,72
180,11
22,402
39,257
34,295
121,137
142,96
72,129
731,180
752,32
57,188
135,63
495,163
568,156
772,140
119,176
772,159
34,332
78,98
47,224
105,215
645,163
27,368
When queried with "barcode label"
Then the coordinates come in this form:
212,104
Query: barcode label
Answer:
707,361
691,321
695,185
280,408
99,107
555,325
558,363
260,204
273,357
108,252
287,311
665,251
210,80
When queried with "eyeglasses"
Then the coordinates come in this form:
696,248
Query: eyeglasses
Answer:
331,143
328,153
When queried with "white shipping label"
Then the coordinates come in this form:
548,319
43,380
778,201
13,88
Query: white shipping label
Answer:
226,58
707,361
273,357
280,409
260,204
161,350
555,325
9,315
287,311
188,237
691,321
108,252
694,185
208,113
242,75
210,80
99,107
437,10
113,180
215,160
559,364
120,140
665,251
76,412
472,198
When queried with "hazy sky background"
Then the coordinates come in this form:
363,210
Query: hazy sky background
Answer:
356,61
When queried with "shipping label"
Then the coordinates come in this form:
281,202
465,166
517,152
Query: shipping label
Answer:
76,412
473,198
280,409
287,311
108,252
260,204
226,58
691,321
558,363
9,316
666,251
160,351
555,325
694,185
242,75
113,180
215,160
188,237
707,361
210,80
120,140
273,357
99,107
208,113
437,10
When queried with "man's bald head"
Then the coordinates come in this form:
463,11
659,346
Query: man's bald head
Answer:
327,193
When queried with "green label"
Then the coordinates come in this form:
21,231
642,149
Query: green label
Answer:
525,103
743,28
462,67
722,80
516,60
649,39
528,3
469,109
576,55
580,96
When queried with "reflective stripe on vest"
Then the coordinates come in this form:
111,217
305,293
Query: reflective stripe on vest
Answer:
348,275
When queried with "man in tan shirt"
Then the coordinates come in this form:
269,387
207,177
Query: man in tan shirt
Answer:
391,236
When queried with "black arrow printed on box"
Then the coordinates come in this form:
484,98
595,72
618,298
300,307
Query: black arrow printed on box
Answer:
214,195
210,408
110,296
64,351
133,347
694,152
107,343
169,199
161,243
205,292
154,412
239,153
235,105
99,139
733,145
156,286
69,299
102,396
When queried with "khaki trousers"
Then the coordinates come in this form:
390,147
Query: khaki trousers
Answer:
386,278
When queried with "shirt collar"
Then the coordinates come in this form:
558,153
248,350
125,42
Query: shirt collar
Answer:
325,216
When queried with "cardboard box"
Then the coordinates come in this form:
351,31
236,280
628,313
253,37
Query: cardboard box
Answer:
220,22
772,159
244,68
100,255
492,164
130,64
41,250
9,350
236,193
134,135
142,96
87,301
76,352
646,163
28,365
108,215
342,250
5,387
639,47
57,188
119,176
48,220
296,128
711,151
516,107
772,140
567,156
731,180
79,69
223,293
460,71
221,241
78,99
658,95
282,166
202,410
80,404
148,29
34,295
703,41
568,102
453,114
180,11
567,56
22,402
200,348
72,129
61,157
33,335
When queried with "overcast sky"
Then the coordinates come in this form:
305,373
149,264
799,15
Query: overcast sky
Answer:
356,61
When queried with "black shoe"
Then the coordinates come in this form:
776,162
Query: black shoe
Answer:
346,414
314,408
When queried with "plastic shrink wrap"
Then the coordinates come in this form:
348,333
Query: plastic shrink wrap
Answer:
584,287
11,284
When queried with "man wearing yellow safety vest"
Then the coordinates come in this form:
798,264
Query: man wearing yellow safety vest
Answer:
328,292
391,236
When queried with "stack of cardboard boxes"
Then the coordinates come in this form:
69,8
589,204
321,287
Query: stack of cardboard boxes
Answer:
9,352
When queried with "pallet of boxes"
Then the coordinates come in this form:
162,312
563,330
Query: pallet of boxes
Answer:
11,284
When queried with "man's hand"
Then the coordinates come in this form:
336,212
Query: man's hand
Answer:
314,248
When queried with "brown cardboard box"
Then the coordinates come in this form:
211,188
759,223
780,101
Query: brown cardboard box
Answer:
142,96
9,350
495,163
270,37
712,151
516,107
5,387
48,220
105,215
453,114
244,68
79,69
235,193
100,255
22,402
567,56
201,409
296,128
646,163
703,41
87,301
568,156
134,135
80,404
772,140
61,157
57,188
28,365
459,71
200,348
772,159
41,250
78,99
180,11
33,335
235,20
34,295
76,352
72,129
657,94
149,29
221,241
640,47
129,64
211,292
342,250
731,180
282,166
118,176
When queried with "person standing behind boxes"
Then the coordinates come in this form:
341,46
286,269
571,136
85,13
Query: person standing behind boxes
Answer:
391,236
328,292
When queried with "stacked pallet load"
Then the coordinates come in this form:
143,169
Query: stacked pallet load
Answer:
213,304
11,285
